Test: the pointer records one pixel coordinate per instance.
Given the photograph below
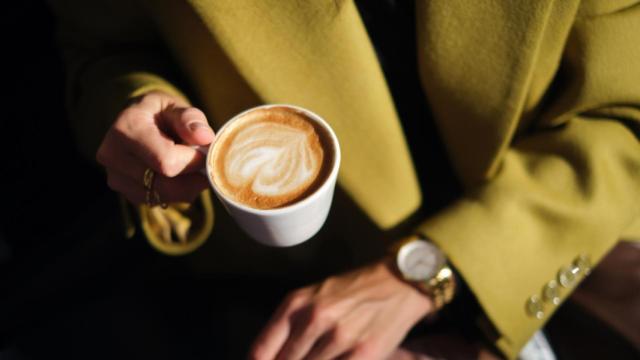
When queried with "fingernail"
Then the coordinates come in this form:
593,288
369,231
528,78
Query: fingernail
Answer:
196,125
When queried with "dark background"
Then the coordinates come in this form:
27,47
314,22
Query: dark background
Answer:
71,285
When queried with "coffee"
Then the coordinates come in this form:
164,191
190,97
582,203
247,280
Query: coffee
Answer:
271,157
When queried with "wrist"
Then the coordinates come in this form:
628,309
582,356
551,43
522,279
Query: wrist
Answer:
420,303
421,264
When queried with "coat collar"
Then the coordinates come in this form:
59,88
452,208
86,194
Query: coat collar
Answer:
316,54
477,62
477,65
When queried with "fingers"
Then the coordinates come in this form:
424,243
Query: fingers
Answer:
332,344
156,132
278,329
343,336
363,314
154,148
161,130
309,324
302,329
125,174
176,117
183,188
189,124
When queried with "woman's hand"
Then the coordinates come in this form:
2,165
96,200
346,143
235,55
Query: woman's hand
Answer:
156,132
363,314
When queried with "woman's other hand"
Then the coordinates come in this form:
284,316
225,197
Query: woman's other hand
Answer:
363,314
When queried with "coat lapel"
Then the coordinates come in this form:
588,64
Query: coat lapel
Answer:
316,54
477,66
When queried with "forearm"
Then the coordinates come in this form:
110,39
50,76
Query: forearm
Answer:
559,194
567,182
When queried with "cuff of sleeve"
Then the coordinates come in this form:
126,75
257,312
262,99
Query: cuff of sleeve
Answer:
501,266
100,105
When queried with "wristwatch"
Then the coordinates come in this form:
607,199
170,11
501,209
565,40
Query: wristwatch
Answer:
422,264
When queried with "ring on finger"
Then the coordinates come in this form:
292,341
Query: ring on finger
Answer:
152,197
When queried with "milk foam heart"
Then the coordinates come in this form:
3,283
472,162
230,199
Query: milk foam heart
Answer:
270,158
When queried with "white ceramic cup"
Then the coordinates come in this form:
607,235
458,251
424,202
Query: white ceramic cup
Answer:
292,224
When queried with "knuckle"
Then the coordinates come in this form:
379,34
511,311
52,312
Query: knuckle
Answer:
321,314
317,312
363,351
169,168
124,117
120,130
151,97
341,336
131,120
164,164
192,113
296,298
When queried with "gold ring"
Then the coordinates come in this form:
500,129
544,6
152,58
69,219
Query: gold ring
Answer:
152,198
147,178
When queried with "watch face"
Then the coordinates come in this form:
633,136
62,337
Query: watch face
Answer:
419,260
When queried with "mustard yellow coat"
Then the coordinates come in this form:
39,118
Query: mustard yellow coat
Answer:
538,103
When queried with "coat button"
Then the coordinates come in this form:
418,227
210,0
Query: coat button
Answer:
551,292
567,276
535,307
583,263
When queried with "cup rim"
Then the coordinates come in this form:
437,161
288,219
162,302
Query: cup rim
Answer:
292,207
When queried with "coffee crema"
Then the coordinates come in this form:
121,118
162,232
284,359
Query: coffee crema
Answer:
271,157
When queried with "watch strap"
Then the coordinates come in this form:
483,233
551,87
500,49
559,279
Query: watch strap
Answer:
441,287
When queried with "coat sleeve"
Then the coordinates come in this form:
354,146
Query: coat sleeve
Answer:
564,193
112,53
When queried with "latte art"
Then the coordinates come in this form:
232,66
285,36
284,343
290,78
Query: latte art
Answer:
269,158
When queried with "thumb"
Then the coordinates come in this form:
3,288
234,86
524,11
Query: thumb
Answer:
189,124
